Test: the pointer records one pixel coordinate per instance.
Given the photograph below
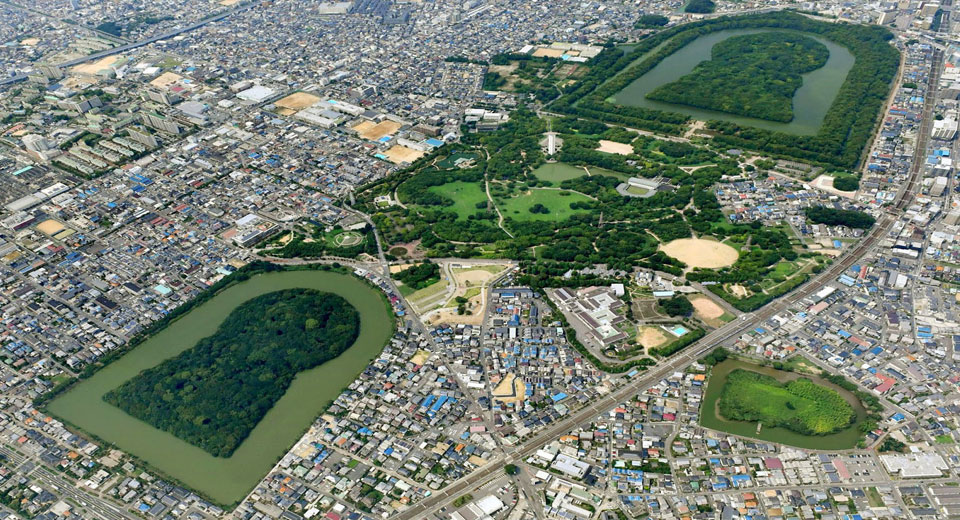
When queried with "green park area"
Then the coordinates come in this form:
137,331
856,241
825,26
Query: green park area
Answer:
568,214
558,172
467,197
311,241
458,160
761,402
542,204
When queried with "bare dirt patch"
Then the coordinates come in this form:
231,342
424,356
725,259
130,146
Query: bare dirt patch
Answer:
166,79
400,268
420,357
50,227
374,131
401,154
652,337
709,311
297,101
706,307
545,52
504,69
699,252
92,69
615,147
510,390
471,277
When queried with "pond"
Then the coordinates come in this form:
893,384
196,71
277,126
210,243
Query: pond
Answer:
228,480
810,103
710,416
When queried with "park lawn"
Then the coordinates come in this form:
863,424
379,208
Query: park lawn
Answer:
799,404
518,206
331,238
492,269
558,172
799,267
465,196
783,268
944,439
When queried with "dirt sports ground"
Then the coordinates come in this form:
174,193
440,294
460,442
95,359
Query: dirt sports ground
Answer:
295,102
652,337
699,252
374,131
708,311
401,154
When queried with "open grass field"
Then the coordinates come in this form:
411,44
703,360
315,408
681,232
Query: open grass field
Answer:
558,172
427,294
799,405
699,252
518,207
346,239
603,172
465,196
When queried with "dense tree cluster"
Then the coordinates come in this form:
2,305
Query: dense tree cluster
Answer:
214,394
799,405
676,306
890,444
420,275
846,183
840,217
671,152
651,20
318,245
678,344
717,355
700,6
753,75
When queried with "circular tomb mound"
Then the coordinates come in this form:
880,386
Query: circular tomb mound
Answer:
699,252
